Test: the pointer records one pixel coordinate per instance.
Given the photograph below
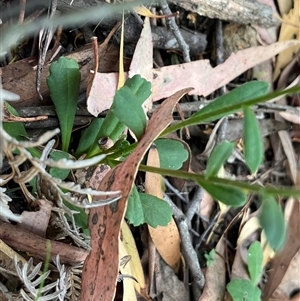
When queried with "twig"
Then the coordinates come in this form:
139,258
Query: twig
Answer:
193,205
188,251
174,190
174,28
210,225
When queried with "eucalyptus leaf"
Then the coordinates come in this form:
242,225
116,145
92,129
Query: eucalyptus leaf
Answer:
218,156
255,261
253,143
172,153
272,221
63,83
229,195
134,211
157,212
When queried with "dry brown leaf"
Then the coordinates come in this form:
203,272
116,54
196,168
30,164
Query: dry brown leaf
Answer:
20,77
166,239
215,276
290,29
167,283
169,79
101,267
37,221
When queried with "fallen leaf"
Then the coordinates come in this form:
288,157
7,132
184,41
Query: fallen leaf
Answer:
167,282
135,261
101,267
128,283
166,239
215,276
289,30
291,117
169,79
20,77
37,221
141,64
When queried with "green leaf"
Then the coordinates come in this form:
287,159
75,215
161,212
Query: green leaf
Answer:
253,142
229,195
88,137
111,128
63,83
217,158
157,212
243,290
17,130
172,153
59,172
81,218
134,212
237,96
243,186
255,260
127,105
14,129
124,112
210,257
139,87
272,221
218,112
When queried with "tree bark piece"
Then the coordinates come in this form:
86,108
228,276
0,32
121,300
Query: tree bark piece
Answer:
237,11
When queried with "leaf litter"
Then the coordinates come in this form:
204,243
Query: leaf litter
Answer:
106,222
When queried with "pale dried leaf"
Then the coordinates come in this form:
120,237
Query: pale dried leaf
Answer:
291,117
289,30
167,80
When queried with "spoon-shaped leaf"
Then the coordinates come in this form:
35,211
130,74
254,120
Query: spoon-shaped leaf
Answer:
63,83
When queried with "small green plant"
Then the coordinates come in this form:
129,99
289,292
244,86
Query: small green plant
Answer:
126,111
244,289
210,257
